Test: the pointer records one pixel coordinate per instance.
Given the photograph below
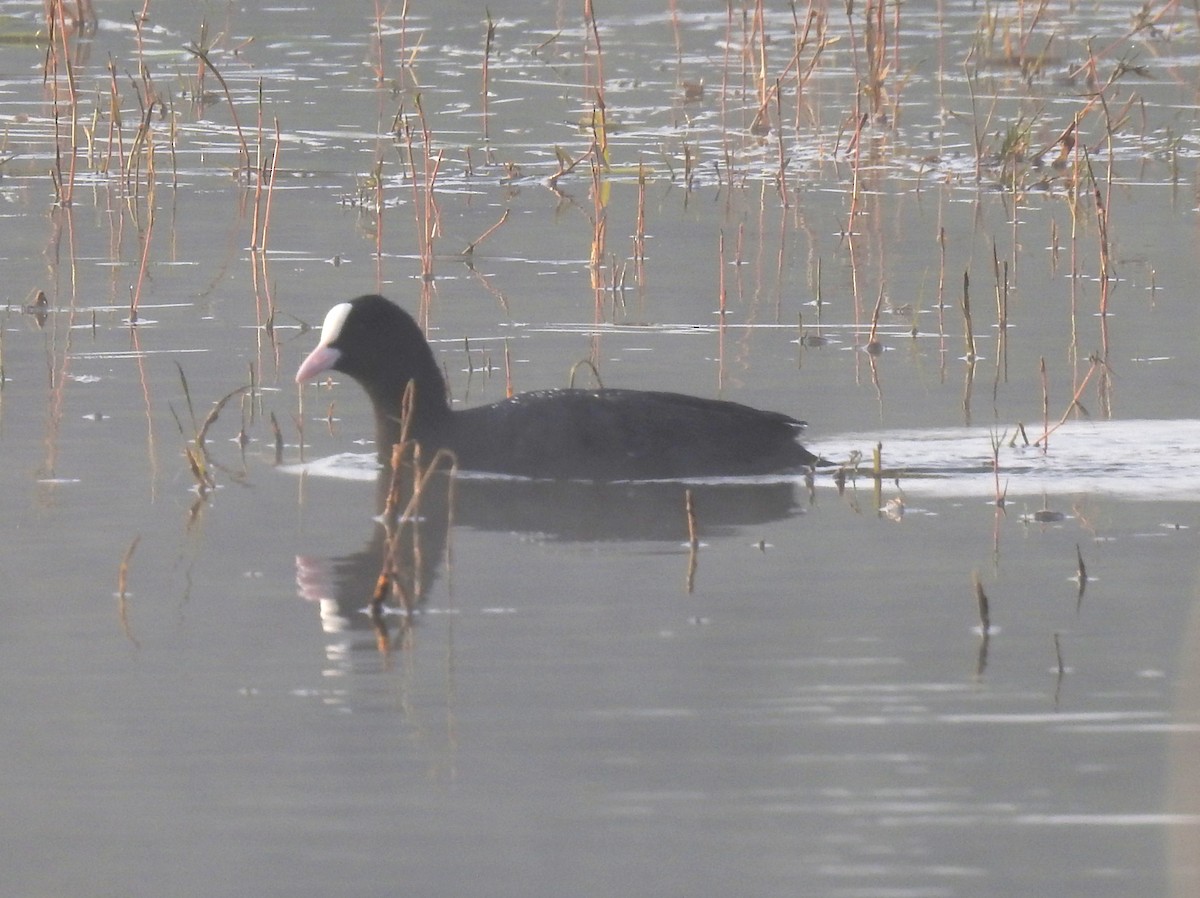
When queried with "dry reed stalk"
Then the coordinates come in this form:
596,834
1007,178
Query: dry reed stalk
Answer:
115,130
1044,440
64,186
721,295
566,164
1106,271
139,20
278,434
401,520
592,29
425,208
488,40
877,477
1001,313
172,140
259,167
379,220
639,232
599,226
1001,494
147,234
855,168
143,140
875,38
261,242
783,160
758,37
380,69
260,255
508,380
801,41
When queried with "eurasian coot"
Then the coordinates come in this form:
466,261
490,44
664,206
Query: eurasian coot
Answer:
601,434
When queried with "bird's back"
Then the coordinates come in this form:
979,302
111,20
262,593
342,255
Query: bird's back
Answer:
625,434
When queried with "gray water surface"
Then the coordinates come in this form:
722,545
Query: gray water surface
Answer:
574,700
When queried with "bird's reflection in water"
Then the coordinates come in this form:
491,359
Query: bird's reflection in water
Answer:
384,587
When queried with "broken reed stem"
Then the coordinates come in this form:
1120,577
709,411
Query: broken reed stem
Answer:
187,395
566,164
122,592
470,250
966,310
981,599
408,515
202,55
123,569
202,435
689,509
1071,406
595,373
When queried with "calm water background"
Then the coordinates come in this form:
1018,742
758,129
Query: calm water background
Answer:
810,709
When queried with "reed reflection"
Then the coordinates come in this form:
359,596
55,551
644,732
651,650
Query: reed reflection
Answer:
385,587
